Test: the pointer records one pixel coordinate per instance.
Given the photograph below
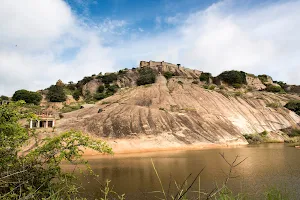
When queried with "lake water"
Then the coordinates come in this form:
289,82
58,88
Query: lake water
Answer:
266,166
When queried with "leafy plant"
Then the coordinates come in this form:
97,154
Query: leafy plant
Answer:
233,77
101,89
274,88
294,106
56,94
76,95
205,77
109,78
37,174
146,76
168,75
27,96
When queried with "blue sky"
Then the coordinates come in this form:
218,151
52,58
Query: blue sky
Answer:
43,41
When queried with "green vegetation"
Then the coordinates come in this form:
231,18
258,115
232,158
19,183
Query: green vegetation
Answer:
180,82
70,108
274,88
258,138
76,94
263,78
27,96
205,86
56,94
294,106
211,87
109,78
146,76
273,105
168,75
237,85
2,97
101,88
38,174
233,77
205,77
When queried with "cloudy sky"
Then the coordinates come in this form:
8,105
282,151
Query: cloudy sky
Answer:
42,41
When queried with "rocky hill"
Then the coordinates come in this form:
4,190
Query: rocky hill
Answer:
179,111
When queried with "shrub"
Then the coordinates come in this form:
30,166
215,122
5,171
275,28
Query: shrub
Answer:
109,78
211,87
237,85
76,95
205,86
112,89
146,76
233,77
56,94
195,82
263,78
38,173
168,75
263,134
2,97
274,88
221,87
27,96
205,77
101,88
100,96
273,105
180,82
70,108
294,106
294,133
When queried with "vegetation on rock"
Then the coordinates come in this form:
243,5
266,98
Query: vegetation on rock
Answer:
294,106
168,75
56,94
146,76
233,77
205,77
27,96
109,78
274,88
2,97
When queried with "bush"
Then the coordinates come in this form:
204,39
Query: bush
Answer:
233,77
274,88
237,85
294,106
273,105
211,87
112,88
100,96
3,98
195,82
109,78
168,75
146,76
70,108
101,89
27,96
37,174
205,77
263,78
180,82
205,86
76,95
56,94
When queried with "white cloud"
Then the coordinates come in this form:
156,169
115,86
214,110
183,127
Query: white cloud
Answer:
264,39
53,43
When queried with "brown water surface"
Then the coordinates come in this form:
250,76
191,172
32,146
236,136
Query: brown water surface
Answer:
266,166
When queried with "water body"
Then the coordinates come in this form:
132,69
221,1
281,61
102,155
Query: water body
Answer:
266,166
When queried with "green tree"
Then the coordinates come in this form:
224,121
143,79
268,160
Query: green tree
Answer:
27,96
233,77
205,77
294,106
101,89
76,95
37,174
146,76
56,94
168,75
2,97
109,78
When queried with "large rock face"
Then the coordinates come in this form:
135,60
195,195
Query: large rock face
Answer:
178,113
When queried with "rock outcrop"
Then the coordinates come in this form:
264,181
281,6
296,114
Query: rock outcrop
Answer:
178,113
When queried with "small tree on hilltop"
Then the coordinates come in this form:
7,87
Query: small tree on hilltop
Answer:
27,96
146,76
56,94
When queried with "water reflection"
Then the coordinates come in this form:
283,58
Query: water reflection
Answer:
266,165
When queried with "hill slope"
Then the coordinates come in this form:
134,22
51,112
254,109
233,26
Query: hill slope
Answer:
177,113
